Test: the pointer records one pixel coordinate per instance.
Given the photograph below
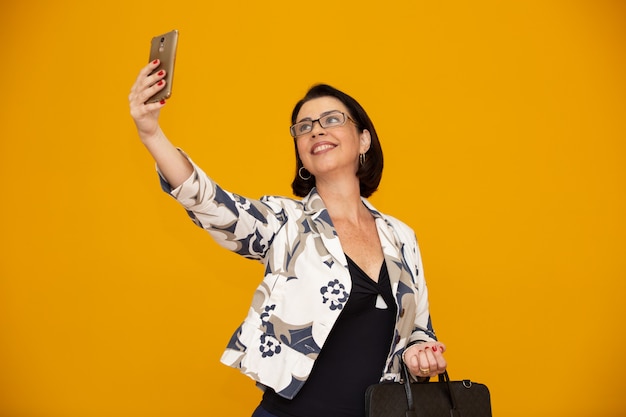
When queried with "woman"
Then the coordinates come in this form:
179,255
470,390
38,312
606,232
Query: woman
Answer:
343,301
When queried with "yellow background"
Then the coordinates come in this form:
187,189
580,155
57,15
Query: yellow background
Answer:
503,125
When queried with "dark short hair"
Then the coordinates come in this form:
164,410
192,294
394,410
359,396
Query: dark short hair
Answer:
371,171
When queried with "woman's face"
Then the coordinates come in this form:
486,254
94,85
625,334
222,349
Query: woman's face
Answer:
330,152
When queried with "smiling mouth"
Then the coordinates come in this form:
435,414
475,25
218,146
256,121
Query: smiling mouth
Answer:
321,148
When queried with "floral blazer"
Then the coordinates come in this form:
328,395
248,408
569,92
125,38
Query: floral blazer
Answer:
306,280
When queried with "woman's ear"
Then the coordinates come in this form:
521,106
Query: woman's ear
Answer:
366,140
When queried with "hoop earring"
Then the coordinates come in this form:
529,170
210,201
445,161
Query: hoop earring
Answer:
303,177
361,158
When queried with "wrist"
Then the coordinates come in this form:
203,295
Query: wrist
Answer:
151,137
408,346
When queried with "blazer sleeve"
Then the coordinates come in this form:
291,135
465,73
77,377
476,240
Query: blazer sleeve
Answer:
423,331
422,324
244,226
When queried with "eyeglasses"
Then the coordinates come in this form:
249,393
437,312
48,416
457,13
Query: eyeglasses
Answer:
333,119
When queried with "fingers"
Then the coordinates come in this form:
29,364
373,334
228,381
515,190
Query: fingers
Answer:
431,361
148,82
426,359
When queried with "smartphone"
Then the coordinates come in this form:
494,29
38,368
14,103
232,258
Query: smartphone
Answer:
163,48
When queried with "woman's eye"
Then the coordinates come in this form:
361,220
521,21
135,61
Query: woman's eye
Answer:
333,119
304,128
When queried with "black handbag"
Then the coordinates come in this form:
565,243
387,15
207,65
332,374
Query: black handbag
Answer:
428,399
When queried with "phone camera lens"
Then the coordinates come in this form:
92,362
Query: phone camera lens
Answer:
162,39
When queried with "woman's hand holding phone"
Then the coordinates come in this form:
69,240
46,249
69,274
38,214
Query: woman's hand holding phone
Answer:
147,97
146,115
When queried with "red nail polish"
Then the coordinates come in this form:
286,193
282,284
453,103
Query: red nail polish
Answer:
162,102
155,61
160,73
434,348
160,82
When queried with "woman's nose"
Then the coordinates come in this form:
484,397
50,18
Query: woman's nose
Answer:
317,128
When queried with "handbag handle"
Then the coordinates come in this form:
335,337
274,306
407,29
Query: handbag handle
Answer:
443,377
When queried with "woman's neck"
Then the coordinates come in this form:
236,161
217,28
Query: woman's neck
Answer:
343,200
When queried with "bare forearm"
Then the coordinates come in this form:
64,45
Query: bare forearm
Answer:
172,164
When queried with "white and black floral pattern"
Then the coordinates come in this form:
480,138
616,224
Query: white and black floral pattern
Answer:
269,346
335,293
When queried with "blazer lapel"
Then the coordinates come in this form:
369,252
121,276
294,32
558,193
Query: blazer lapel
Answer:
322,225
392,249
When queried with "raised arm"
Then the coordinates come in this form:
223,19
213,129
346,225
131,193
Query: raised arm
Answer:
172,164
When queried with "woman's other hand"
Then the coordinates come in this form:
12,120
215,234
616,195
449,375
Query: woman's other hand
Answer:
425,359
